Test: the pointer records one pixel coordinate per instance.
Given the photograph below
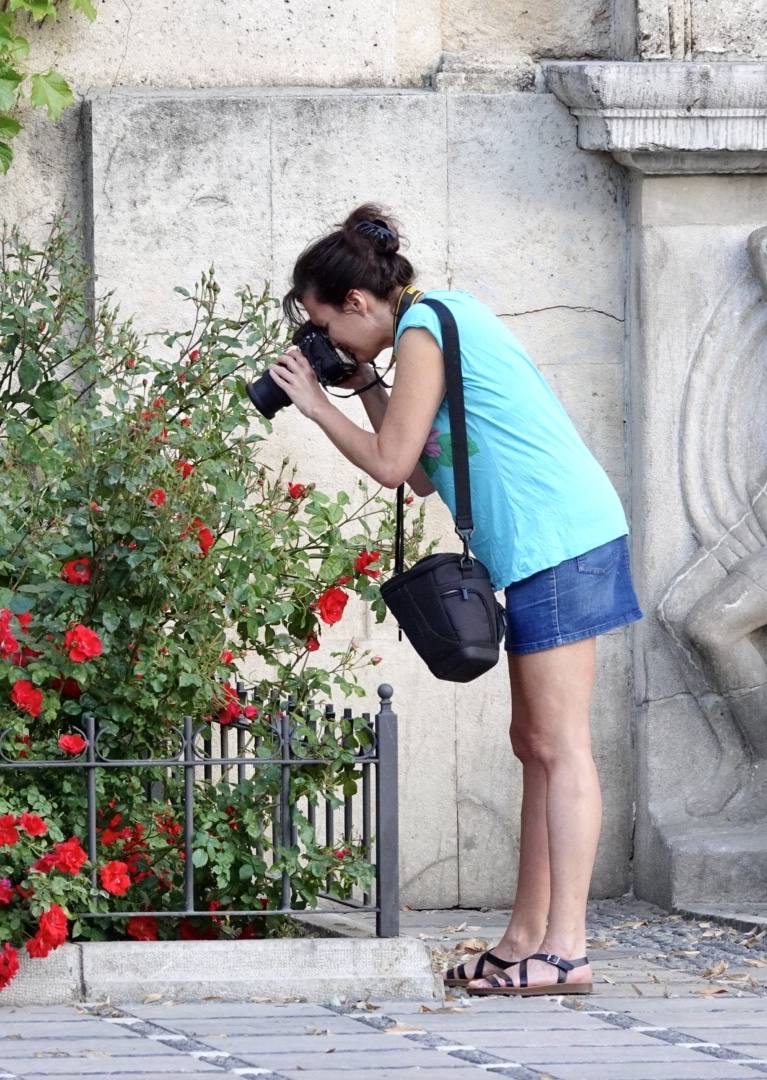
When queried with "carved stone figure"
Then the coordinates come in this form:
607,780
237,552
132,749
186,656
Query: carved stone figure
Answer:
715,609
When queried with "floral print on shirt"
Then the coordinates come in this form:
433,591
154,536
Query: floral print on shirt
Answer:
439,451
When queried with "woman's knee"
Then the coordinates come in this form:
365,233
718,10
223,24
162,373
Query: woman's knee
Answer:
550,747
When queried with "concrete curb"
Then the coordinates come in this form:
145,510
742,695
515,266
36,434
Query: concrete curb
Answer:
309,969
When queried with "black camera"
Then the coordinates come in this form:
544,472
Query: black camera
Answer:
330,365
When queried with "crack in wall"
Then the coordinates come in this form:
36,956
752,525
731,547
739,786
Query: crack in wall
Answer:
560,307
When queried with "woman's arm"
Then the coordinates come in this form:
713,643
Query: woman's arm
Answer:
376,402
389,455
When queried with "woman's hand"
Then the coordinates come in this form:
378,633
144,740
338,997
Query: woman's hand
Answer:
363,375
294,374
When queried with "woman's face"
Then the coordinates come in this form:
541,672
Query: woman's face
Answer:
363,327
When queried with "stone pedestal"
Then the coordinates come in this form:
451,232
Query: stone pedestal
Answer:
695,139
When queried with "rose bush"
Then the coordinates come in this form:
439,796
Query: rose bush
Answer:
144,550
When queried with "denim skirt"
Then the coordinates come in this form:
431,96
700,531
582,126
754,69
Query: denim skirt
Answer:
579,598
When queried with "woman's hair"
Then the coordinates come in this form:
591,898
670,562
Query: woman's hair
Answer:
362,253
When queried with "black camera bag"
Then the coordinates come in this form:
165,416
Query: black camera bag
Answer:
445,604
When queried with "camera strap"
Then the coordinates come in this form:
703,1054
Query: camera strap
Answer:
451,351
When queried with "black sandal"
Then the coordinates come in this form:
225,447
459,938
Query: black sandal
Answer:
457,976
501,985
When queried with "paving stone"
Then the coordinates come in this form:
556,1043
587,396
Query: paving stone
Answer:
170,1066
212,1009
285,1025
374,1041
756,1035
77,1027
344,1061
504,1037
547,1056
57,1047
463,1072
703,1070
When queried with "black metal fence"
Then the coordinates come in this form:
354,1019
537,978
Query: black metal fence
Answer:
201,756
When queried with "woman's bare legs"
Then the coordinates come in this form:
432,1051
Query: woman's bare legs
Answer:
561,809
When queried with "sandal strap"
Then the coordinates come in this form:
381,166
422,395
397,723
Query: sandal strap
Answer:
489,957
499,981
563,966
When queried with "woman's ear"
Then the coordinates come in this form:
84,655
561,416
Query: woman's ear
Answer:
356,302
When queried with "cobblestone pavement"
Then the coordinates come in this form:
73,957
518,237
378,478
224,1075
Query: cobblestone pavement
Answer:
674,999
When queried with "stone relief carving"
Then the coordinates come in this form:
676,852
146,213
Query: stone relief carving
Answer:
715,609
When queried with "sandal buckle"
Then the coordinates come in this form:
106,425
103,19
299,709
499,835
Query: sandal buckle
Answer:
552,958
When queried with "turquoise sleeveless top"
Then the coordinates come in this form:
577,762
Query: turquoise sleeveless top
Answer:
538,494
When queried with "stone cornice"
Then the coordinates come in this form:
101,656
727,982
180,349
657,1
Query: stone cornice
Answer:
668,117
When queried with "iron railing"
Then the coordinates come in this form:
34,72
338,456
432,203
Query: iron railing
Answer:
199,758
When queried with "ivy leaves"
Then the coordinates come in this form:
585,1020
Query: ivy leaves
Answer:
48,90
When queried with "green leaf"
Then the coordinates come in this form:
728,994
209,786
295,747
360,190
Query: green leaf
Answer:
9,127
6,157
199,857
52,92
9,84
38,9
110,621
85,6
29,373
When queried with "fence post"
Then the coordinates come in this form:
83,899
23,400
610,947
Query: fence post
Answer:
387,818
90,797
188,767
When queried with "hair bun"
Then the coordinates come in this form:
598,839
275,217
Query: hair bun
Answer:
369,224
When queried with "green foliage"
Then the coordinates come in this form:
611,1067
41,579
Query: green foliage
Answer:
144,548
48,90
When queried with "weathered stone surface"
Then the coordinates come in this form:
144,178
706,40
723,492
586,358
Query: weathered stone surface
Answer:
52,980
245,43
669,117
698,395
548,28
314,969
699,29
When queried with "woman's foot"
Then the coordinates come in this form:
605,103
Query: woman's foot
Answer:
541,973
498,960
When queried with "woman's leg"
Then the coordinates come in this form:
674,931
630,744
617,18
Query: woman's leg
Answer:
551,696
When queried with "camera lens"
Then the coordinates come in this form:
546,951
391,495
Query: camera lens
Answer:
266,395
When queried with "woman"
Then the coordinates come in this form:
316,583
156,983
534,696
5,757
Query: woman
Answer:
548,525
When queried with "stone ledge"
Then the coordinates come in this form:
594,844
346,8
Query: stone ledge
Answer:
309,969
674,117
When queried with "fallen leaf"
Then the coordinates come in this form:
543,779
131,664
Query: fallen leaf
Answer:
709,991
152,997
331,1050
317,1031
395,1029
455,929
608,979
755,961
715,970
685,952
471,945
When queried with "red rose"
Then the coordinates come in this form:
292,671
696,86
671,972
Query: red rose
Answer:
363,561
185,421
27,697
114,877
156,496
6,891
296,491
250,712
9,964
53,926
21,659
205,539
8,643
142,928
184,467
24,619
312,643
376,660
37,947
232,707
344,579
68,687
8,834
130,362
194,355
342,853
408,500
77,571
159,403
67,856
227,656
32,824
331,604
83,644
95,506
72,744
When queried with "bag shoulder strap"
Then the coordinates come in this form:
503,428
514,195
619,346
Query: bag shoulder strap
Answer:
451,351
